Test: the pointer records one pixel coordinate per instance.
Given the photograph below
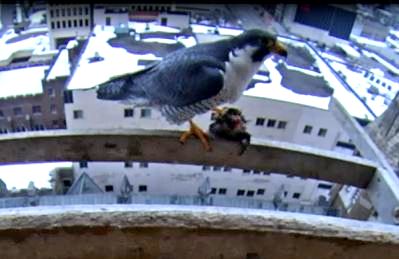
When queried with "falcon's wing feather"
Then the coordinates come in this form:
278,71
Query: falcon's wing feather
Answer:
117,87
193,79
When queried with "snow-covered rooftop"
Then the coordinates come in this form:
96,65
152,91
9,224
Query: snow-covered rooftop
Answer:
351,103
61,66
117,61
348,49
276,91
368,41
22,81
35,40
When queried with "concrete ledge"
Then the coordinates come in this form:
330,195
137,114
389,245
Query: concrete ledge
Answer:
163,146
149,231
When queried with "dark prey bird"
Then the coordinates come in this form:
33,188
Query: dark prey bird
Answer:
230,124
192,81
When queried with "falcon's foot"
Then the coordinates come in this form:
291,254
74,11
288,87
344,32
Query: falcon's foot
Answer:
197,132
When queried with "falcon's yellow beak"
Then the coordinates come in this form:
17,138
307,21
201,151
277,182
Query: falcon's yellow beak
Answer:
279,49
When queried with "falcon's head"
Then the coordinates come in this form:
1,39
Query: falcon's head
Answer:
264,42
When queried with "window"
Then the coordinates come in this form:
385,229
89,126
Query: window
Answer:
81,23
1,114
51,92
246,171
250,193
38,127
324,186
142,188
213,191
83,164
69,12
75,23
145,113
256,172
217,168
78,114
55,123
57,12
260,192
63,24
282,124
36,109
322,132
62,12
86,22
53,108
143,165
17,111
74,11
206,168
129,112
260,121
109,188
80,11
240,192
128,164
68,96
107,21
69,24
227,169
86,11
58,24
307,129
296,195
271,123
52,25
222,191
51,13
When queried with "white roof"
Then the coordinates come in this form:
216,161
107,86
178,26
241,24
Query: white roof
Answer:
381,61
61,66
117,61
201,28
368,41
37,44
348,49
360,84
140,27
22,81
276,91
351,103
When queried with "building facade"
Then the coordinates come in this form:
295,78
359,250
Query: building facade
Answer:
269,119
68,22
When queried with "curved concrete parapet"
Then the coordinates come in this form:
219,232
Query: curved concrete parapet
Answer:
152,231
158,145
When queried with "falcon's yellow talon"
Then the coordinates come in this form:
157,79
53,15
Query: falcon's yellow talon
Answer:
197,132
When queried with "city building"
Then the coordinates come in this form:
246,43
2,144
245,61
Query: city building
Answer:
68,22
323,23
32,94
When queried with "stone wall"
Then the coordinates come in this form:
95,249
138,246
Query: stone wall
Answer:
385,132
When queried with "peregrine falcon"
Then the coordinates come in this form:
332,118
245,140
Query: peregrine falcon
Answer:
194,80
